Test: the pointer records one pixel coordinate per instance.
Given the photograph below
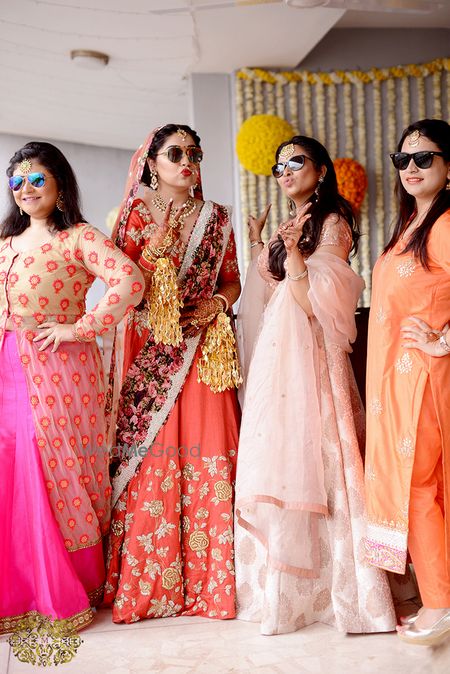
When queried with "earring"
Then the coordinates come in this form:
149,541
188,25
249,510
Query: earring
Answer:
316,191
192,190
292,208
447,187
153,180
60,202
20,211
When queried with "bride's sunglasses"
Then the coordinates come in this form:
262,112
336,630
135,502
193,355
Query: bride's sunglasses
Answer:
295,164
175,153
422,160
35,179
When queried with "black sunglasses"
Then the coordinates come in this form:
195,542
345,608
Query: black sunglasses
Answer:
422,159
175,153
295,164
35,179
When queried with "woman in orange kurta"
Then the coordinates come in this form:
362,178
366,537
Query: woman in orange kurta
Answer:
171,544
54,488
408,400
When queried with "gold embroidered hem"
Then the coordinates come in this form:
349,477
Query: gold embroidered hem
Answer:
33,619
386,547
96,596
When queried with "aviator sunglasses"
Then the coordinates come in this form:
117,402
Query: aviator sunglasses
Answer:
35,179
295,164
175,153
422,160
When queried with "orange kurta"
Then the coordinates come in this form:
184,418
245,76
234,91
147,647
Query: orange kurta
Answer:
396,382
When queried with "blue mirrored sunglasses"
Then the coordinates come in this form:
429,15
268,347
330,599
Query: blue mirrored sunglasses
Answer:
35,179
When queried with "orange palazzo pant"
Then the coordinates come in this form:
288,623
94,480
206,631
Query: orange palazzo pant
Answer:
426,539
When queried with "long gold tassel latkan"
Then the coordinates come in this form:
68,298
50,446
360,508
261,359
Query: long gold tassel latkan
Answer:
165,304
218,367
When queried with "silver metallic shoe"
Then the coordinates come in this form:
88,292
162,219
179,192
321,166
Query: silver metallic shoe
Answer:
427,637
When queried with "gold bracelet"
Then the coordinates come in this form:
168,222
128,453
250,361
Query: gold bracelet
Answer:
299,276
256,243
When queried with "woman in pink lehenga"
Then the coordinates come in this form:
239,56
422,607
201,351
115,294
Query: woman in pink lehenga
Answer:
299,488
54,488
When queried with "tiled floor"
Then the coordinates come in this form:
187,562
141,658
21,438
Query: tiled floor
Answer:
198,645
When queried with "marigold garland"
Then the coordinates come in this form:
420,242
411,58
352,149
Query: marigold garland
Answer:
351,180
258,139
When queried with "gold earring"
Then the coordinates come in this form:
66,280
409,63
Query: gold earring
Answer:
316,191
60,202
292,207
447,187
154,180
20,211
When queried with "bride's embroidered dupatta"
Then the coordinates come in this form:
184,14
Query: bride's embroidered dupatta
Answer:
156,377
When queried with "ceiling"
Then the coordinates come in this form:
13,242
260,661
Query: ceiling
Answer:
153,45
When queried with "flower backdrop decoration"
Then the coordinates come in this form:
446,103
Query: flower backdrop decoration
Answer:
258,139
352,180
357,115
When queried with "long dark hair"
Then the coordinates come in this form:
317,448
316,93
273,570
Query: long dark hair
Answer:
438,132
158,141
55,162
328,201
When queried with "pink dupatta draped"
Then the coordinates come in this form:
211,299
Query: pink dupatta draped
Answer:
280,491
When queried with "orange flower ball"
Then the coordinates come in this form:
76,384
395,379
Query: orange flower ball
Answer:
351,180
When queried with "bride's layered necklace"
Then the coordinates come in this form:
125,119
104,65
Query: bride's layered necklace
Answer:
189,207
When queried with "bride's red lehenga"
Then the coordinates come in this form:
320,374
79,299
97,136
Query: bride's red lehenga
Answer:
171,543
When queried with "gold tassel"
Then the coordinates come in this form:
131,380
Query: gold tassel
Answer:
218,367
165,304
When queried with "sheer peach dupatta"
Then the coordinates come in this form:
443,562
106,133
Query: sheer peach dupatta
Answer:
280,491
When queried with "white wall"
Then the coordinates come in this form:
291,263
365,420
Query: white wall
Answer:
213,117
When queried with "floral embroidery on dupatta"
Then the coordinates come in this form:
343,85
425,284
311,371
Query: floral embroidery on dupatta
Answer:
156,377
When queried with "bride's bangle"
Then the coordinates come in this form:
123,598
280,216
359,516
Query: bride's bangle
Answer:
256,243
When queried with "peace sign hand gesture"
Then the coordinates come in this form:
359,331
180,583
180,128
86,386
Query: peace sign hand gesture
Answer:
292,230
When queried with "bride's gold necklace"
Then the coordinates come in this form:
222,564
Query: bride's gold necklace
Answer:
189,207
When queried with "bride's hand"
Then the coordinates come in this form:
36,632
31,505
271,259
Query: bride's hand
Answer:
161,234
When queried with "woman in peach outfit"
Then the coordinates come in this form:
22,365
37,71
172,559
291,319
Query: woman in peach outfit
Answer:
299,487
408,429
54,488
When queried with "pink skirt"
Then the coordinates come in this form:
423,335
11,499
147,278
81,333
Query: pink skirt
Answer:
37,574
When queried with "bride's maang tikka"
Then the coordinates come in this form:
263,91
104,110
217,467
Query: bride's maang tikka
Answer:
182,133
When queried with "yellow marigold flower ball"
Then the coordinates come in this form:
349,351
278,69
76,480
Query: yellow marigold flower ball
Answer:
258,139
351,180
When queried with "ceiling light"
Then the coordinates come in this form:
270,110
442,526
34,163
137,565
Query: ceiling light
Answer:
88,59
